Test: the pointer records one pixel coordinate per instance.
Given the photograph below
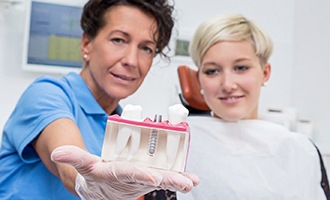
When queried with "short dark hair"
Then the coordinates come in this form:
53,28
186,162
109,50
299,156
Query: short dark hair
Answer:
92,19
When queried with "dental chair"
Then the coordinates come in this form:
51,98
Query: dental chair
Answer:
190,95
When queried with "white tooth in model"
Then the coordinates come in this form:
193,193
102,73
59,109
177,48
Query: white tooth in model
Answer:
131,112
176,114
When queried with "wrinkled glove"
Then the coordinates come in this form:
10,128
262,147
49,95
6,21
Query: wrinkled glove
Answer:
97,179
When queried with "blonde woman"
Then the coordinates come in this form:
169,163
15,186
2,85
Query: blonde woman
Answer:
235,154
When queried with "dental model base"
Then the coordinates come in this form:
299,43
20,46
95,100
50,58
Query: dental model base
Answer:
153,143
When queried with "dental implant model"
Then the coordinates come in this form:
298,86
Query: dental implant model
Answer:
176,114
153,143
125,133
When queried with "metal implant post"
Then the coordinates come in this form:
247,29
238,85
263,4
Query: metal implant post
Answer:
153,137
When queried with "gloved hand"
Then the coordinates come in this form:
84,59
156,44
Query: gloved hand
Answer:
98,179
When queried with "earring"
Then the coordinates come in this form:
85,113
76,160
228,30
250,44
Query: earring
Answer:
85,56
202,92
265,84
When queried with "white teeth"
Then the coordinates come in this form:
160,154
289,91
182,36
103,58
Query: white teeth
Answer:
133,112
176,114
231,98
126,78
130,112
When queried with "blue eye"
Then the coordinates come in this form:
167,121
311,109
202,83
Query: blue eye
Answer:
241,68
211,71
147,50
117,40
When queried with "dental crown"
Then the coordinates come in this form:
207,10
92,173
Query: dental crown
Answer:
153,143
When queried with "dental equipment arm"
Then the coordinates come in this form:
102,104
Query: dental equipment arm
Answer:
97,179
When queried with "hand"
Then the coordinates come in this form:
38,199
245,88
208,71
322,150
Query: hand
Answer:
98,179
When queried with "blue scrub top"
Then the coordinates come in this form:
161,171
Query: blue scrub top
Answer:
22,174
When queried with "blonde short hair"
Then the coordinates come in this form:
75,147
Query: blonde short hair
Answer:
229,28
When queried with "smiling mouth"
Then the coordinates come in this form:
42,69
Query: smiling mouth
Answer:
232,98
122,77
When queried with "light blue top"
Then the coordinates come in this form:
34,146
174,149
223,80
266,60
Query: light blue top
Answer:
22,174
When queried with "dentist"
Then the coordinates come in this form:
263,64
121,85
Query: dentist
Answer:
52,141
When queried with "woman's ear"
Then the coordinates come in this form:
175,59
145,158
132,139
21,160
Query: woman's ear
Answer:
85,41
266,72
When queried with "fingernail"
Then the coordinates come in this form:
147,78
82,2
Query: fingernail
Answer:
57,153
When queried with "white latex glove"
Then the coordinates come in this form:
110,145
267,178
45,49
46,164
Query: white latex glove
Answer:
98,179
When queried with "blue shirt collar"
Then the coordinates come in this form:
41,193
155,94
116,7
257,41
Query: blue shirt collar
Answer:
85,97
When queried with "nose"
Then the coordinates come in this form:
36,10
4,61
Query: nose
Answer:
131,56
228,82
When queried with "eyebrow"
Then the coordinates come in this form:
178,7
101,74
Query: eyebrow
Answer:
128,35
243,59
212,63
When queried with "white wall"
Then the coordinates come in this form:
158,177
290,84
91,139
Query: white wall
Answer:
310,93
12,80
299,73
